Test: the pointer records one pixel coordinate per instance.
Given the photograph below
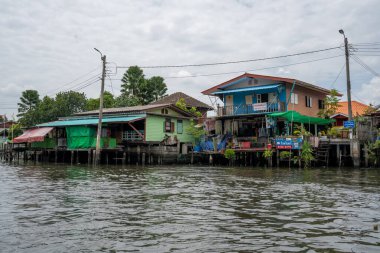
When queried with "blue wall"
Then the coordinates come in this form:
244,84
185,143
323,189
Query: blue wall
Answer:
239,97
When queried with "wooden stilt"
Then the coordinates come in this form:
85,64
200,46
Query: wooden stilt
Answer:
72,157
124,158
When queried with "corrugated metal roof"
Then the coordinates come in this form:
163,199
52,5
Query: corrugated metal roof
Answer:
190,101
131,109
254,88
90,121
274,78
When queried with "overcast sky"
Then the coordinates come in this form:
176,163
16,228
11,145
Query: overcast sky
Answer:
45,45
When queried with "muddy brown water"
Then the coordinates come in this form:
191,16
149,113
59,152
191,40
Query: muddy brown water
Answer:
61,208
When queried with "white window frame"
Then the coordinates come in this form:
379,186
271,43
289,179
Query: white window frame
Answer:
294,98
258,98
309,101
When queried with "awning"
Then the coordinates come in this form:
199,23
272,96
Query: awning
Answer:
89,121
33,135
297,117
253,88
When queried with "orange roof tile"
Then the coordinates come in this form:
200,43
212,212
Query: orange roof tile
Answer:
357,108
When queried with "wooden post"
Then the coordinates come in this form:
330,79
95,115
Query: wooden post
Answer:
107,158
124,158
89,156
56,156
366,155
138,154
143,158
129,154
278,158
72,157
77,157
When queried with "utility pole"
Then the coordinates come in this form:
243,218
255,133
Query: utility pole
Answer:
347,74
99,132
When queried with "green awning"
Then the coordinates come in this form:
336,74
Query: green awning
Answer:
90,121
297,117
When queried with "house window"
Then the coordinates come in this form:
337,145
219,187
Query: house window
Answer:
164,111
308,101
294,98
168,126
321,104
262,98
179,127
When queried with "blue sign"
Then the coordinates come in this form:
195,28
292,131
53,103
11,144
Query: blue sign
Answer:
288,143
349,124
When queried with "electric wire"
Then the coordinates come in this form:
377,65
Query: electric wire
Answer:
76,79
234,62
79,84
364,65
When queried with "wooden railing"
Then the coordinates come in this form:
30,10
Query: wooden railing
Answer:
244,109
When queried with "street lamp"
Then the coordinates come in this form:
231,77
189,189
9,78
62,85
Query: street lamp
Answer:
98,135
347,52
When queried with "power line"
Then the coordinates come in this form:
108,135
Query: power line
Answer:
364,65
86,85
340,72
234,62
76,79
81,83
247,70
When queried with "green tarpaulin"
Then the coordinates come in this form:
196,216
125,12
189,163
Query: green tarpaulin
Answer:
297,117
83,137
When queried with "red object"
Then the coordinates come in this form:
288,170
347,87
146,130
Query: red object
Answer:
245,144
269,146
33,135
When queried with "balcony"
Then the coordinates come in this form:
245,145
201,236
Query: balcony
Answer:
250,109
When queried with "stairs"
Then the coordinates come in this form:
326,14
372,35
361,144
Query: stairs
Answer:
322,153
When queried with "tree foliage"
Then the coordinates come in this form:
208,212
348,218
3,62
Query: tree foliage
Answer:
108,102
136,89
182,105
331,104
49,109
29,100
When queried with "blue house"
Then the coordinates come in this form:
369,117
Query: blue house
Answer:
248,98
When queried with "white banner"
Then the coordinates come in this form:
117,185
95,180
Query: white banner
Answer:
260,107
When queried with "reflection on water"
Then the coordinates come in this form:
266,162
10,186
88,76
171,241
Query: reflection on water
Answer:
187,209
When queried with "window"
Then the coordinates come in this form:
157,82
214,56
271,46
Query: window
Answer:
294,98
179,127
164,111
262,98
308,101
168,126
321,104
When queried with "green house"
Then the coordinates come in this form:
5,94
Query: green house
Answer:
159,123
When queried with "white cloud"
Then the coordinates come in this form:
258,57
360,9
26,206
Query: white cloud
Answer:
45,44
370,92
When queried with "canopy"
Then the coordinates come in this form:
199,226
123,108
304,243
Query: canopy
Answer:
254,88
299,118
89,121
33,135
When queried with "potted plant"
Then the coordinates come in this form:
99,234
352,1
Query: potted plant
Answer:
268,153
230,155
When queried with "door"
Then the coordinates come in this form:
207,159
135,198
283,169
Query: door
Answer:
229,104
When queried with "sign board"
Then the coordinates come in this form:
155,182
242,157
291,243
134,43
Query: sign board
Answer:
260,106
288,143
349,124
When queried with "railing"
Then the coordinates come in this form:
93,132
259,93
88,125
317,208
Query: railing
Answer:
133,135
256,108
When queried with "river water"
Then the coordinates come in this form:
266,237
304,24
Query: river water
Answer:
50,208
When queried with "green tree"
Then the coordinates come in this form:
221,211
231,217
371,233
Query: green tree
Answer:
14,131
29,100
182,105
155,88
47,110
70,102
331,104
132,81
108,102
136,89
124,101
